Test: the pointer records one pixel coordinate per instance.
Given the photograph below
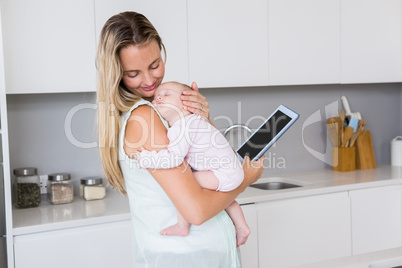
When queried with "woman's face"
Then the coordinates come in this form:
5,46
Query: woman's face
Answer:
143,69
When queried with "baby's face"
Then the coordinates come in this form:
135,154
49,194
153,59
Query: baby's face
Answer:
167,98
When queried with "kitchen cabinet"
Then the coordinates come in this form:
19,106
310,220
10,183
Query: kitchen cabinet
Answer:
249,251
170,20
304,42
303,230
6,228
101,246
49,46
376,218
228,43
371,41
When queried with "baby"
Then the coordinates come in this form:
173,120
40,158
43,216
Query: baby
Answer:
204,148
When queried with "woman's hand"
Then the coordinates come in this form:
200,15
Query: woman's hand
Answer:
194,102
252,169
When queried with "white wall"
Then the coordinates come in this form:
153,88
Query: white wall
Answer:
38,137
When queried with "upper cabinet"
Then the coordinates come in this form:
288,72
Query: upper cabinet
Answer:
304,42
371,41
170,20
49,46
228,42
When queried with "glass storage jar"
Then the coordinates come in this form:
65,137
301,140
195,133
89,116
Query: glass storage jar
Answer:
60,188
26,187
92,188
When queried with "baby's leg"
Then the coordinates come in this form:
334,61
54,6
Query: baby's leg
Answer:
181,228
237,216
208,180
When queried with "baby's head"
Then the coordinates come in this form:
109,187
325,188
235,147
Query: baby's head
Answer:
167,100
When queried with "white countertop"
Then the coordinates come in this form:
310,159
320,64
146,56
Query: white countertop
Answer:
378,259
47,217
114,207
323,181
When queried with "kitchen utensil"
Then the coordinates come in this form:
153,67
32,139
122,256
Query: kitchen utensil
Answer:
332,125
342,115
355,135
340,130
353,122
365,152
348,111
346,106
347,134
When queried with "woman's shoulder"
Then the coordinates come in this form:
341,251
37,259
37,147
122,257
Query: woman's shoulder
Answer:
144,123
141,108
141,114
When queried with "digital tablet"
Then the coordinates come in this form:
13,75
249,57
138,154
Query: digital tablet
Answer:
268,133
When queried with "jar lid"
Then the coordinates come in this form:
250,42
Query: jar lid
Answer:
397,139
29,171
59,177
91,181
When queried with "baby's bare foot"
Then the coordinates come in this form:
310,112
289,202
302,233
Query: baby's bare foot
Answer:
175,230
242,235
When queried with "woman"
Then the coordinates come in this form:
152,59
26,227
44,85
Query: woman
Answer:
131,67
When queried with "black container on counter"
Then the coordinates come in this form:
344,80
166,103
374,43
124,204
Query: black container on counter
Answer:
60,188
26,187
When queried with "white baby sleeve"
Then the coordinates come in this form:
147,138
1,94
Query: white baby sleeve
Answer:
171,157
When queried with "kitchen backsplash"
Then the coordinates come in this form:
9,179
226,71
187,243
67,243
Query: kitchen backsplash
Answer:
41,136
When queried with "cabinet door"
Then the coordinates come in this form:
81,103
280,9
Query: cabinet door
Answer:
371,41
228,42
303,230
49,46
304,42
376,219
100,246
170,20
249,251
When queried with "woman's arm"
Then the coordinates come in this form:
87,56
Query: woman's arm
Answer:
197,205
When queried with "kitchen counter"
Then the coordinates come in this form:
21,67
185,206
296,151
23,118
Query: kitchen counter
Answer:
114,207
323,181
378,259
47,217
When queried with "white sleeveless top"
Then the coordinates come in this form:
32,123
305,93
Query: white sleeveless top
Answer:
212,244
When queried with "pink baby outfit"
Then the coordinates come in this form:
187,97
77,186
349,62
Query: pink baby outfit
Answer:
204,148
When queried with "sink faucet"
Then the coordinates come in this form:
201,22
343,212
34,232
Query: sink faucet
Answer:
236,126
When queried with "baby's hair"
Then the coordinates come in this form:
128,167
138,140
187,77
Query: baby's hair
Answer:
187,87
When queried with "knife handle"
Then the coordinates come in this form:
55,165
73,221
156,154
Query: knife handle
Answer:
346,106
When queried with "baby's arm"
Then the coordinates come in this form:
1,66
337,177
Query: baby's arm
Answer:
171,157
163,159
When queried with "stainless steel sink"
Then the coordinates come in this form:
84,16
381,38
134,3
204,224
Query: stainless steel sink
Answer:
274,185
277,183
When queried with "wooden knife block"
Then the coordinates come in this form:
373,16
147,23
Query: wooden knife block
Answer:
365,158
344,158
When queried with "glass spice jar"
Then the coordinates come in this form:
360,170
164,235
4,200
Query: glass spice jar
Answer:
92,188
60,188
26,187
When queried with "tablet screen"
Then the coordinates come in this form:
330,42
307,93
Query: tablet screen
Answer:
264,135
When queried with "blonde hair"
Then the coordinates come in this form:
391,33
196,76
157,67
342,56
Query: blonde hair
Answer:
113,98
